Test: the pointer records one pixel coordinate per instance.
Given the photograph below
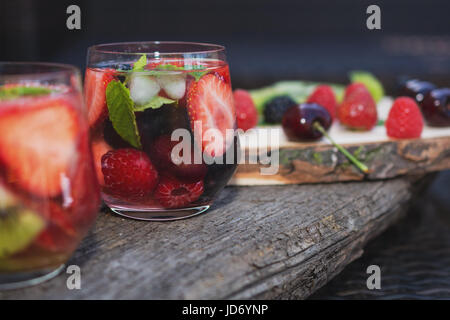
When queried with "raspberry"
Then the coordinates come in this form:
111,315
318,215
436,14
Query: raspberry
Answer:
358,111
172,193
323,95
246,113
128,173
404,120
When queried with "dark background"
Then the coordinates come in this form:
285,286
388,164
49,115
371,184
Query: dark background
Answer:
267,40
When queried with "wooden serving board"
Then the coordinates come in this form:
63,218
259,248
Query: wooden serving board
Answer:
301,162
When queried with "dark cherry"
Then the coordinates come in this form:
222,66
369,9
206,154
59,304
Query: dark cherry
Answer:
416,89
436,107
112,137
160,153
298,121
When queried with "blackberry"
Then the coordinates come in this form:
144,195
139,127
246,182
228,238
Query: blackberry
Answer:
124,67
275,108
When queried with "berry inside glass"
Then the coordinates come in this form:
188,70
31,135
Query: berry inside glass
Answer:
49,194
162,121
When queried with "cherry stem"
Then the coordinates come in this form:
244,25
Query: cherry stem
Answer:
355,161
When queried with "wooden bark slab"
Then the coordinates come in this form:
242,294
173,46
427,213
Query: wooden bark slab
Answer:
259,242
322,162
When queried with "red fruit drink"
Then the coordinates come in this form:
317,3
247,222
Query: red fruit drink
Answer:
162,122
49,194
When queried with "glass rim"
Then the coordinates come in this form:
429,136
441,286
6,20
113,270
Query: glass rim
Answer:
208,48
54,69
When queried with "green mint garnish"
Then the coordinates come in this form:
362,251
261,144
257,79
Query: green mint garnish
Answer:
154,103
169,67
197,71
16,92
121,113
140,64
198,74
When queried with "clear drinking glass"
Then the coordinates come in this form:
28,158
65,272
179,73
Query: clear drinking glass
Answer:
162,121
49,194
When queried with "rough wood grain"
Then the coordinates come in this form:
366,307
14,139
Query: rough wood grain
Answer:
259,242
313,163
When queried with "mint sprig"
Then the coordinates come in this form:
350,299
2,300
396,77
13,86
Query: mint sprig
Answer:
20,91
140,64
121,112
154,103
197,71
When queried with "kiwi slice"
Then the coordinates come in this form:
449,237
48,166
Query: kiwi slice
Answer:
18,225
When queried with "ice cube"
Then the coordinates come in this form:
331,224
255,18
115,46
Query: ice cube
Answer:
143,88
174,85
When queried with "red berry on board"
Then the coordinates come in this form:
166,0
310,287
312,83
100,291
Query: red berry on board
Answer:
404,120
358,110
351,88
172,193
246,113
323,95
128,174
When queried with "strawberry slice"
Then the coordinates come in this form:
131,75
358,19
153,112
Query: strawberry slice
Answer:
38,143
224,73
99,148
211,105
95,84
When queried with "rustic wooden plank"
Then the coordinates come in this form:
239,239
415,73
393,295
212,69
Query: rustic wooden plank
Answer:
258,242
322,162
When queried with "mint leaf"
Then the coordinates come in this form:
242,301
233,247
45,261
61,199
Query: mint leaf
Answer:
200,71
140,64
154,103
169,67
198,74
16,92
121,113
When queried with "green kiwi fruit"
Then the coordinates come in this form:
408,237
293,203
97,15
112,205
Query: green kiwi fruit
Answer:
18,225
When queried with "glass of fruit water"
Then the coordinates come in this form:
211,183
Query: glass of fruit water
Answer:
162,121
49,194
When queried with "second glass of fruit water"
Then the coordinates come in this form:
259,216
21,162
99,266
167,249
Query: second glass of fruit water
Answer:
162,121
49,195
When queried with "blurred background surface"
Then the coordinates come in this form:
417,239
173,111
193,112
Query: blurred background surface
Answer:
267,41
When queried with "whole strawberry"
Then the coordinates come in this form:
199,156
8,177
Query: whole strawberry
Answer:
323,95
351,88
404,120
246,113
128,173
358,111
